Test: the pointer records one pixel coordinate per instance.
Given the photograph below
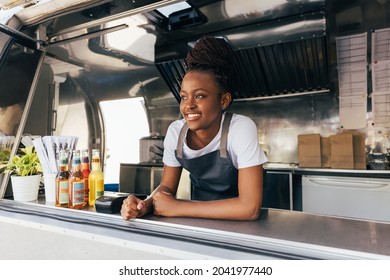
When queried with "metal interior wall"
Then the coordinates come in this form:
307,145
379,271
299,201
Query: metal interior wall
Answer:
107,81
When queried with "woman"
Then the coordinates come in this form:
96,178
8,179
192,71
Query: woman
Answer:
219,149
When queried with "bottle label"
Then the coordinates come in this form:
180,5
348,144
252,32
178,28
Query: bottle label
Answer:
78,193
84,166
99,187
86,190
63,196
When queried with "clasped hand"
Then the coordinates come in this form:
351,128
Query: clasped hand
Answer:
162,203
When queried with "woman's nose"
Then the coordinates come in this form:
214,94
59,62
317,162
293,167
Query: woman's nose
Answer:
190,103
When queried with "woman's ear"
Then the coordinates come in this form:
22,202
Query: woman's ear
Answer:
226,100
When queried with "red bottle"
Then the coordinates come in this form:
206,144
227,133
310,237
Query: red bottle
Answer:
85,169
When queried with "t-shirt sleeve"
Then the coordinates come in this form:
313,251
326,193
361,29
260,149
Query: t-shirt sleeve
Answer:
170,144
246,150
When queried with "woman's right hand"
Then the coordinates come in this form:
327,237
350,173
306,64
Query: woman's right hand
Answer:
133,207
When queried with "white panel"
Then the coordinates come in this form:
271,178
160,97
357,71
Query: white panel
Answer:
363,198
352,74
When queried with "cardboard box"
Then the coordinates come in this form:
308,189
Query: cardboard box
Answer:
359,149
341,151
325,152
309,150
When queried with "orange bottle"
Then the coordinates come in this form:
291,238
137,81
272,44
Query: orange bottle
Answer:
76,183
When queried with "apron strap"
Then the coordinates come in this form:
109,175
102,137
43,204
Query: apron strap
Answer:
224,134
180,142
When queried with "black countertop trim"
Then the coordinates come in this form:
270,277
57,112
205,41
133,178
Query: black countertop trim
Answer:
294,169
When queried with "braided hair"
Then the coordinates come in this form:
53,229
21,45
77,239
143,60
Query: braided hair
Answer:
214,55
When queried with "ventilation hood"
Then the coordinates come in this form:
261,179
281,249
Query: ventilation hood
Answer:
276,56
280,46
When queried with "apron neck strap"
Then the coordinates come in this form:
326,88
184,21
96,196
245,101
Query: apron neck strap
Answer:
225,131
180,142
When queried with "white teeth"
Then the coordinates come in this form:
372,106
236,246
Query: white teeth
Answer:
193,115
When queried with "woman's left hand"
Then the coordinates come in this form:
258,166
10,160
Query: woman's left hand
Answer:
164,204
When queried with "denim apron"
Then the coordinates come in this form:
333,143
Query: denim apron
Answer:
213,175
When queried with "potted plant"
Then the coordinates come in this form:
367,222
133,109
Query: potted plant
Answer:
4,158
26,171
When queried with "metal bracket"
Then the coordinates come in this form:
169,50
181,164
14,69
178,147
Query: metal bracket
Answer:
24,39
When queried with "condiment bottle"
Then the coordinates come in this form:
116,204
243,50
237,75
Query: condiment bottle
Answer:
95,179
62,180
85,170
76,183
385,143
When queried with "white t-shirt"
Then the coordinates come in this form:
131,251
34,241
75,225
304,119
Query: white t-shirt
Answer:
243,144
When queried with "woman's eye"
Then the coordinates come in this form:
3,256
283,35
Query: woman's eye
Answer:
199,96
183,97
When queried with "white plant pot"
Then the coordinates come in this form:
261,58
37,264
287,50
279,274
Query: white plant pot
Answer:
25,188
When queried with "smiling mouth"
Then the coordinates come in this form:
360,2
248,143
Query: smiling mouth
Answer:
192,116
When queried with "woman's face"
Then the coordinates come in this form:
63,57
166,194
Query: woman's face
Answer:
202,101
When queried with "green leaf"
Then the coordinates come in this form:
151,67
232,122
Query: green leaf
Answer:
25,163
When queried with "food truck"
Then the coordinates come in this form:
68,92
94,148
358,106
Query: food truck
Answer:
312,74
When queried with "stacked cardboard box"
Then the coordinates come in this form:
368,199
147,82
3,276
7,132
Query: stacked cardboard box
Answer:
342,151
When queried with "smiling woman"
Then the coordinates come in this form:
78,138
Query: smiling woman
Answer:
219,149
283,83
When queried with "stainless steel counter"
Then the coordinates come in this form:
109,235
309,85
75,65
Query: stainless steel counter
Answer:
277,234
306,230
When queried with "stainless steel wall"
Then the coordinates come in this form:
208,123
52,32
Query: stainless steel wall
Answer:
279,121
109,75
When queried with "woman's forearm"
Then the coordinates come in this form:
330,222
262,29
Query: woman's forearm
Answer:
231,209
